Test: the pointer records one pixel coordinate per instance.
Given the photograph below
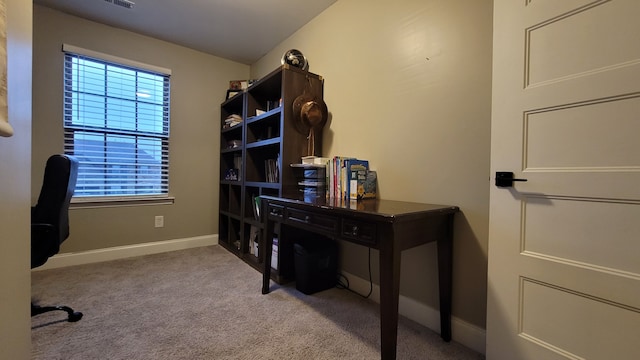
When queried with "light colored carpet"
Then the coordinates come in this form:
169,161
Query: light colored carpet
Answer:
205,303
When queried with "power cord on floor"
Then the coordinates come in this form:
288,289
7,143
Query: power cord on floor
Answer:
345,284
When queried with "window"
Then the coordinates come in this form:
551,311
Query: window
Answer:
116,123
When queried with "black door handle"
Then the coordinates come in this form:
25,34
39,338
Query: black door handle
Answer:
506,179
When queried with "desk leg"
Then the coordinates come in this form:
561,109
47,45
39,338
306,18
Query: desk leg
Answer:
267,244
389,294
445,278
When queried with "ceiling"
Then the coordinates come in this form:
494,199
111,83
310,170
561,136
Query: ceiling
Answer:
238,30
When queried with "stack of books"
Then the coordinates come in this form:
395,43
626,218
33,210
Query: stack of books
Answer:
272,170
350,179
231,121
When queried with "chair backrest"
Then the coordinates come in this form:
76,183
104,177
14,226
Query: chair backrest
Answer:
52,209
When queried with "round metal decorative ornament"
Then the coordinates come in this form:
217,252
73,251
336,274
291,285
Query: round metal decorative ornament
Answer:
295,58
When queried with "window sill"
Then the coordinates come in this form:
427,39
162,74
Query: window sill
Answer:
119,201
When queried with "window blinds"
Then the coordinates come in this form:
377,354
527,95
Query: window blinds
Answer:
116,122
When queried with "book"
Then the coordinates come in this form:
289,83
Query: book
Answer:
355,169
368,187
253,240
272,170
331,172
255,205
340,177
274,253
336,177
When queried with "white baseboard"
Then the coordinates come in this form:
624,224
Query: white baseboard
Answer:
462,332
121,252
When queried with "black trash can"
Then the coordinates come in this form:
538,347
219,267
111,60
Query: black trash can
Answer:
316,264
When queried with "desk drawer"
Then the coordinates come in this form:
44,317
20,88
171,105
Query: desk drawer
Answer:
275,211
359,231
316,221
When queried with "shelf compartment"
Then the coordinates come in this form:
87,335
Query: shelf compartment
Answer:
251,241
265,94
231,163
231,139
229,232
235,105
230,196
265,128
250,209
261,160
223,228
271,113
224,198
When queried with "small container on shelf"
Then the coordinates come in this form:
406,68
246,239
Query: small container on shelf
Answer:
234,144
311,179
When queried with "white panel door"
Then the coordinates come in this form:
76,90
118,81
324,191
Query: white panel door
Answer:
564,246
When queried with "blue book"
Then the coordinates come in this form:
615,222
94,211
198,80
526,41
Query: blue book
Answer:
356,171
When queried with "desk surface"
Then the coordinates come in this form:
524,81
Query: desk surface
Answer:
393,210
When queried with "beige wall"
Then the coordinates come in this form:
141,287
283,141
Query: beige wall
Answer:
15,177
198,86
408,87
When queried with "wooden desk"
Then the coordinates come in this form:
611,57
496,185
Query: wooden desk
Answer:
390,227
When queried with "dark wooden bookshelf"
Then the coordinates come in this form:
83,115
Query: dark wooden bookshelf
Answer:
267,132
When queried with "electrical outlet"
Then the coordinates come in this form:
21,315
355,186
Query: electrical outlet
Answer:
159,221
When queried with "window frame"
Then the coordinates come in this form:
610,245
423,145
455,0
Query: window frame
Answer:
162,135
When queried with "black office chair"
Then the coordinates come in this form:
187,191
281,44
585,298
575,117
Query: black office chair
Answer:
50,218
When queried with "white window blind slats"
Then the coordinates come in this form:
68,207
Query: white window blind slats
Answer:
116,121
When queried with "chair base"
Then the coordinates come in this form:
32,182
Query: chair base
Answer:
73,315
